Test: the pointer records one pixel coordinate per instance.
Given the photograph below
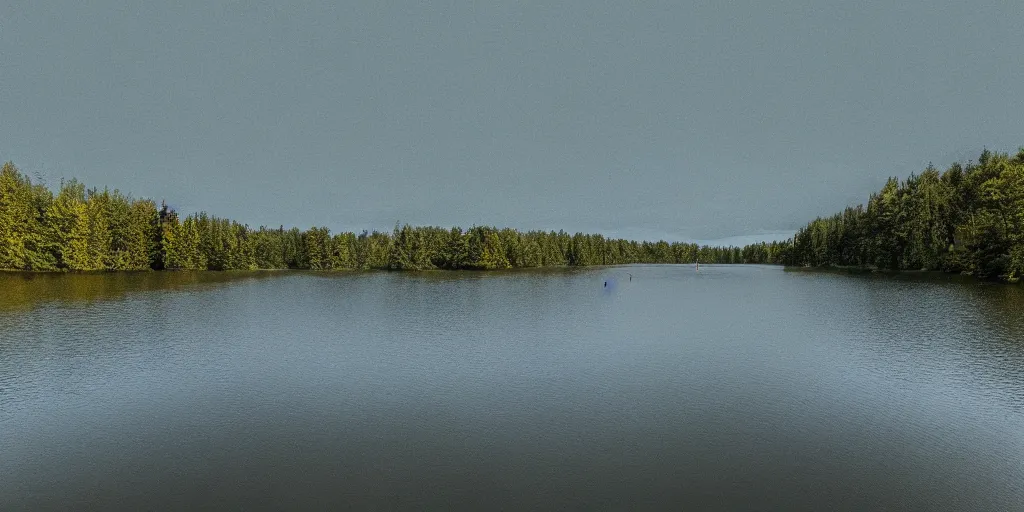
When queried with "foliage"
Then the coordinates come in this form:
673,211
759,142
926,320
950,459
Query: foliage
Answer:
83,229
968,219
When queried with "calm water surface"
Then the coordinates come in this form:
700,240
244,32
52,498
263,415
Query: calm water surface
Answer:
735,388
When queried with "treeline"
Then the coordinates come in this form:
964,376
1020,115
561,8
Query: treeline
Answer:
79,229
967,219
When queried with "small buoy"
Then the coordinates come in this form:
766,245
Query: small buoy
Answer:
606,284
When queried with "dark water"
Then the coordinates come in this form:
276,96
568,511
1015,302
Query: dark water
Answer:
736,388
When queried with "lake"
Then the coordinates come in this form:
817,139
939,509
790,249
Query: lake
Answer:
732,388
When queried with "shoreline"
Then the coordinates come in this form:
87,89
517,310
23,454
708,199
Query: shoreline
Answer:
832,269
895,273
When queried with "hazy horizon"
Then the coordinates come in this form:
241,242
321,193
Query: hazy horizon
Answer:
701,122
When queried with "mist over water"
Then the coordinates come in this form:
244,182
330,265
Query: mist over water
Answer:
735,387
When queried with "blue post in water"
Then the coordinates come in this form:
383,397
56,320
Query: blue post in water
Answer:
609,285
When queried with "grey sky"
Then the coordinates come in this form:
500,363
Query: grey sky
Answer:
648,119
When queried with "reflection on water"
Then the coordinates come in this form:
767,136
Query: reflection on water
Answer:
732,388
24,290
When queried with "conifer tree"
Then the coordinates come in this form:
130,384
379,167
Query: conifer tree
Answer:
15,217
99,238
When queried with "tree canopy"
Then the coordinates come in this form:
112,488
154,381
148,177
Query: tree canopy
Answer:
968,219
80,229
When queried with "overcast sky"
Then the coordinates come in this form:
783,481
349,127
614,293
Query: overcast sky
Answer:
650,119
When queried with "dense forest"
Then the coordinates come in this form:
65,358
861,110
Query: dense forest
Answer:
79,229
968,219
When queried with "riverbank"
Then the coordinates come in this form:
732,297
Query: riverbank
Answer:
834,269
926,274
351,270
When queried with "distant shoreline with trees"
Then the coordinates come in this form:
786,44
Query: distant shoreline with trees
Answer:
81,230
968,220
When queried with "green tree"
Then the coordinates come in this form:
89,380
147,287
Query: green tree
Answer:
318,248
